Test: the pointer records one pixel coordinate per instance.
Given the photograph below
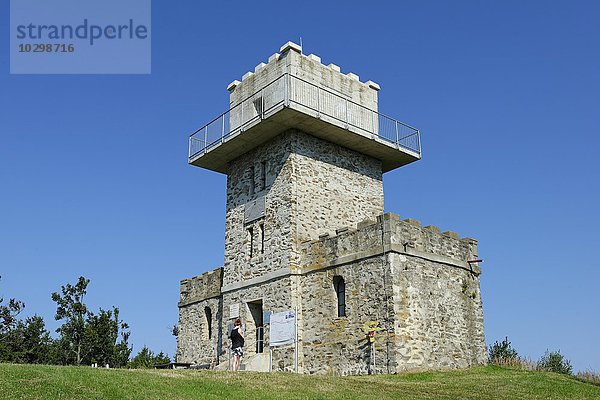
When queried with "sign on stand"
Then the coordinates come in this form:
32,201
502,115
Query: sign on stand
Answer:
283,331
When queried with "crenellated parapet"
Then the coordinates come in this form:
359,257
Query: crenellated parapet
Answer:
201,287
389,233
290,59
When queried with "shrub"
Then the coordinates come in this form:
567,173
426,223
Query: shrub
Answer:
553,361
502,353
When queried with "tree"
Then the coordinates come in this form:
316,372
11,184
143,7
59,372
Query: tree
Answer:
29,342
72,310
87,337
101,339
500,353
146,359
553,361
22,341
8,315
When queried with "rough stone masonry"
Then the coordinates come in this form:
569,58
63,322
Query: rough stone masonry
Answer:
306,230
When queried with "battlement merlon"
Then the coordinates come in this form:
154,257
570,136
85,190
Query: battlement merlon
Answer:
308,68
201,287
295,91
389,234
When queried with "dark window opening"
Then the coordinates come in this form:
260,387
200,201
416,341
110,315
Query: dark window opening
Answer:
251,242
262,238
340,290
252,181
208,314
263,175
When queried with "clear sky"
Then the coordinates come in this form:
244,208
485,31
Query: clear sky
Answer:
94,178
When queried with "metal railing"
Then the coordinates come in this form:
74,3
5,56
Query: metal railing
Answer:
260,339
322,102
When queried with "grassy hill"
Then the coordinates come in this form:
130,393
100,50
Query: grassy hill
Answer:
51,382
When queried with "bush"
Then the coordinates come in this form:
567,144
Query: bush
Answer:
502,353
555,362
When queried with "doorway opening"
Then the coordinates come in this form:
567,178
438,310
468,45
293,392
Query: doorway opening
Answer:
256,310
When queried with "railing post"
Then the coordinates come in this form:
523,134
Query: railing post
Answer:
397,140
419,140
223,127
373,123
205,138
287,82
318,102
189,147
346,101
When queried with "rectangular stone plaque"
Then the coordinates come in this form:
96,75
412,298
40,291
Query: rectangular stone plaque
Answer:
254,210
234,310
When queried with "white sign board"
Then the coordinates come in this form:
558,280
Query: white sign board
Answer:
283,328
234,310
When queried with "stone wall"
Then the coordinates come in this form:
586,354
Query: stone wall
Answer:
415,281
240,264
271,296
333,187
310,186
306,67
200,316
333,344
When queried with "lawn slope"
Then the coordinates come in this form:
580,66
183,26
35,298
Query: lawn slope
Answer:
50,382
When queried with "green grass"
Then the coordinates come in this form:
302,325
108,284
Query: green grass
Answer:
50,382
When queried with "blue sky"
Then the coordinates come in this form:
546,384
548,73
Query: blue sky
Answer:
94,178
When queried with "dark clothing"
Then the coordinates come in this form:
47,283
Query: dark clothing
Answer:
236,339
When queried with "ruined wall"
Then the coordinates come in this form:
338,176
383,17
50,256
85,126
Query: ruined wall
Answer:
199,336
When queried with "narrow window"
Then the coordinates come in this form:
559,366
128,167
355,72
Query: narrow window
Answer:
340,290
262,238
252,182
263,175
250,241
208,314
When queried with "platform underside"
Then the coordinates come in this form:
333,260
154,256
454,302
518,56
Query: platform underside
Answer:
295,116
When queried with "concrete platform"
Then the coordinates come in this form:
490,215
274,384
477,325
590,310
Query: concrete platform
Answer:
296,116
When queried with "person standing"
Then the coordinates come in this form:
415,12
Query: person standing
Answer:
237,344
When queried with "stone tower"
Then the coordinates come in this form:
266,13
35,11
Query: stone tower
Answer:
304,149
